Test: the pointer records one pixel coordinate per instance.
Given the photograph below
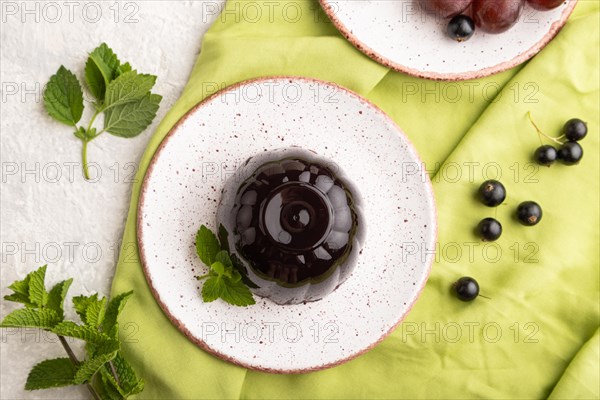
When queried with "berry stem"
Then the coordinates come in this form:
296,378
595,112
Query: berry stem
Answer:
485,297
555,140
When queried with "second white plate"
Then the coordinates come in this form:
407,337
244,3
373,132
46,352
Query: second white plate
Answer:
400,35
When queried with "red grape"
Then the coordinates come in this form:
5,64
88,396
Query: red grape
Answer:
496,16
445,8
544,5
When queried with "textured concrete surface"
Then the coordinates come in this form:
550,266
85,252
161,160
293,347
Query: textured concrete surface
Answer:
49,213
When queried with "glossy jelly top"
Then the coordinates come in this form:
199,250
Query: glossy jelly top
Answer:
295,221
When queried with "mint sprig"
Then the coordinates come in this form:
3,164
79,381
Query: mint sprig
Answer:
104,370
121,94
223,280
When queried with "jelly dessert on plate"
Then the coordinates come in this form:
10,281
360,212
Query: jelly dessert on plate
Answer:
294,224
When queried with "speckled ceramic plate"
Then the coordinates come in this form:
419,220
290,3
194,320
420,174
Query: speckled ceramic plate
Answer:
182,188
400,35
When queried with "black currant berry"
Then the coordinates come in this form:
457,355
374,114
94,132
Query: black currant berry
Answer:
529,213
467,288
570,153
489,229
461,28
545,155
492,193
575,129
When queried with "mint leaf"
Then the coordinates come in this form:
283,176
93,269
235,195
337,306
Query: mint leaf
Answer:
90,309
100,69
115,306
37,289
106,389
236,293
56,297
31,318
207,245
19,298
130,119
51,373
123,68
21,287
213,288
218,268
130,86
128,383
21,292
83,332
223,258
63,98
89,367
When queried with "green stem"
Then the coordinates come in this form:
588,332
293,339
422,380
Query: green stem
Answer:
555,140
202,277
86,173
76,363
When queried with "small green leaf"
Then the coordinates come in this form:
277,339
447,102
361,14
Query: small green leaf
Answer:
130,119
63,98
31,318
223,257
37,289
56,297
218,268
237,293
19,298
213,288
129,383
21,287
105,388
207,245
51,373
115,306
130,86
235,276
90,309
101,68
83,332
123,68
80,133
91,366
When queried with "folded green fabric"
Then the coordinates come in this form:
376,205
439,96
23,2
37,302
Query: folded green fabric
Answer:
534,336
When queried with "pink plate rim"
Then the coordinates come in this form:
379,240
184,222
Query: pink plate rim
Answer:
459,76
140,237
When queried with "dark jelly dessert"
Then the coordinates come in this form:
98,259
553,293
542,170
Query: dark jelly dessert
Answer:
293,222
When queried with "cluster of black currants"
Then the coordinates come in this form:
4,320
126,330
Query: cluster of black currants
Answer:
570,151
492,193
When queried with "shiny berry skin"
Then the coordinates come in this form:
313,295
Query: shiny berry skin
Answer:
570,153
466,288
545,155
529,213
545,5
496,16
489,229
575,130
461,28
492,193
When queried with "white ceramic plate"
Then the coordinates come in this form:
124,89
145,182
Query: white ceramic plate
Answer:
182,188
400,35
